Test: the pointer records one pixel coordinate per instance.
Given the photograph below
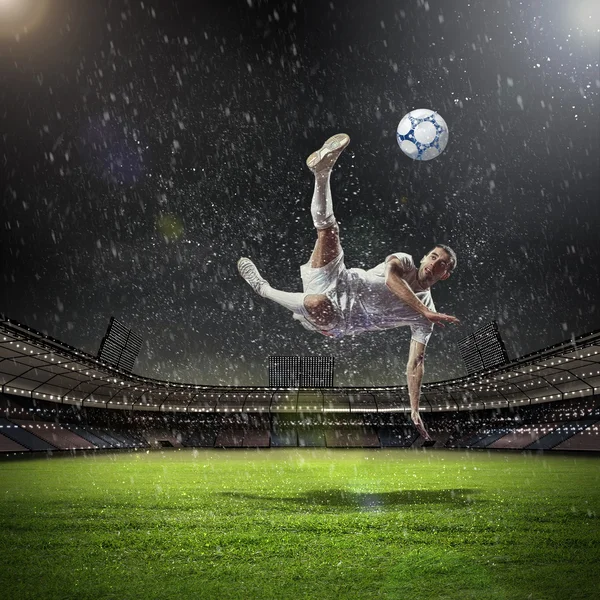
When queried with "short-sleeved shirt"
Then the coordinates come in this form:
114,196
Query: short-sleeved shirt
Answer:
363,302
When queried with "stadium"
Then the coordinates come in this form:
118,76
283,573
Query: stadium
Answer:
261,420
206,491
57,398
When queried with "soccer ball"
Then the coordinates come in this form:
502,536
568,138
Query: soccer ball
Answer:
422,134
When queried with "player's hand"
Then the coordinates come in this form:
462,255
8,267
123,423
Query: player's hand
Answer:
420,426
440,318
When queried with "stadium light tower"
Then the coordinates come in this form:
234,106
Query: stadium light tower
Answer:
120,346
301,371
483,349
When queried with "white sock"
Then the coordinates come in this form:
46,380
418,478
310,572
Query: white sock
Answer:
293,301
321,207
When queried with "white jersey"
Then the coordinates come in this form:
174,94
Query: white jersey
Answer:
363,302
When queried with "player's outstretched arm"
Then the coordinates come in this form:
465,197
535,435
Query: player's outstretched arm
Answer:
414,376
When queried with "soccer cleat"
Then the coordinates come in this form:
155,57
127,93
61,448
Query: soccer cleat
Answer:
324,159
250,273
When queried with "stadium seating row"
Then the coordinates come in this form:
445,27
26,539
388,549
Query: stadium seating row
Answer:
38,426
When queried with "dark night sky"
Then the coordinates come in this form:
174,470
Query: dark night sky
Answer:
147,145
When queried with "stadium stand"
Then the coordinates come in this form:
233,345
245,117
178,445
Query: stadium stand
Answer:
256,439
525,428
54,397
311,437
162,438
104,435
230,437
489,438
56,434
586,440
90,437
284,437
8,445
352,437
200,439
24,437
125,439
519,439
562,433
394,436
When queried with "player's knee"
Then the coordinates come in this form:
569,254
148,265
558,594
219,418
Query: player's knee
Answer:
333,231
316,303
319,308
415,364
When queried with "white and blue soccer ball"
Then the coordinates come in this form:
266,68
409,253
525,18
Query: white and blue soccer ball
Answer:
422,134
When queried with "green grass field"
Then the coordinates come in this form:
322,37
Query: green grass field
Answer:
301,523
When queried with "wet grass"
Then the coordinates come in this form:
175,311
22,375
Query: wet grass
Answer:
302,523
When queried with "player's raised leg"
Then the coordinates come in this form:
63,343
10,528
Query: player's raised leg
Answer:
316,307
321,163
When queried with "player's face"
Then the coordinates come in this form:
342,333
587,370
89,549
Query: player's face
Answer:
435,266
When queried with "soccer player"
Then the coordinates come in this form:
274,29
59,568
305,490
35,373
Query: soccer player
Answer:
337,301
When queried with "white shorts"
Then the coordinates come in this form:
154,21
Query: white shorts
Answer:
330,280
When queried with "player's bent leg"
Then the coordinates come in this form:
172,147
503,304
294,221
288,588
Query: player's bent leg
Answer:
251,274
320,310
293,301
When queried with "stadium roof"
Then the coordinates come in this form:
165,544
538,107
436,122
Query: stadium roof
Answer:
37,366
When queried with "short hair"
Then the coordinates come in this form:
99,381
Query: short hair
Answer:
451,254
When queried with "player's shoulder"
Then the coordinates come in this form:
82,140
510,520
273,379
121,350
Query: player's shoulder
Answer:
402,259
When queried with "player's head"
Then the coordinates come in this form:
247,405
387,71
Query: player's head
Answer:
437,264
